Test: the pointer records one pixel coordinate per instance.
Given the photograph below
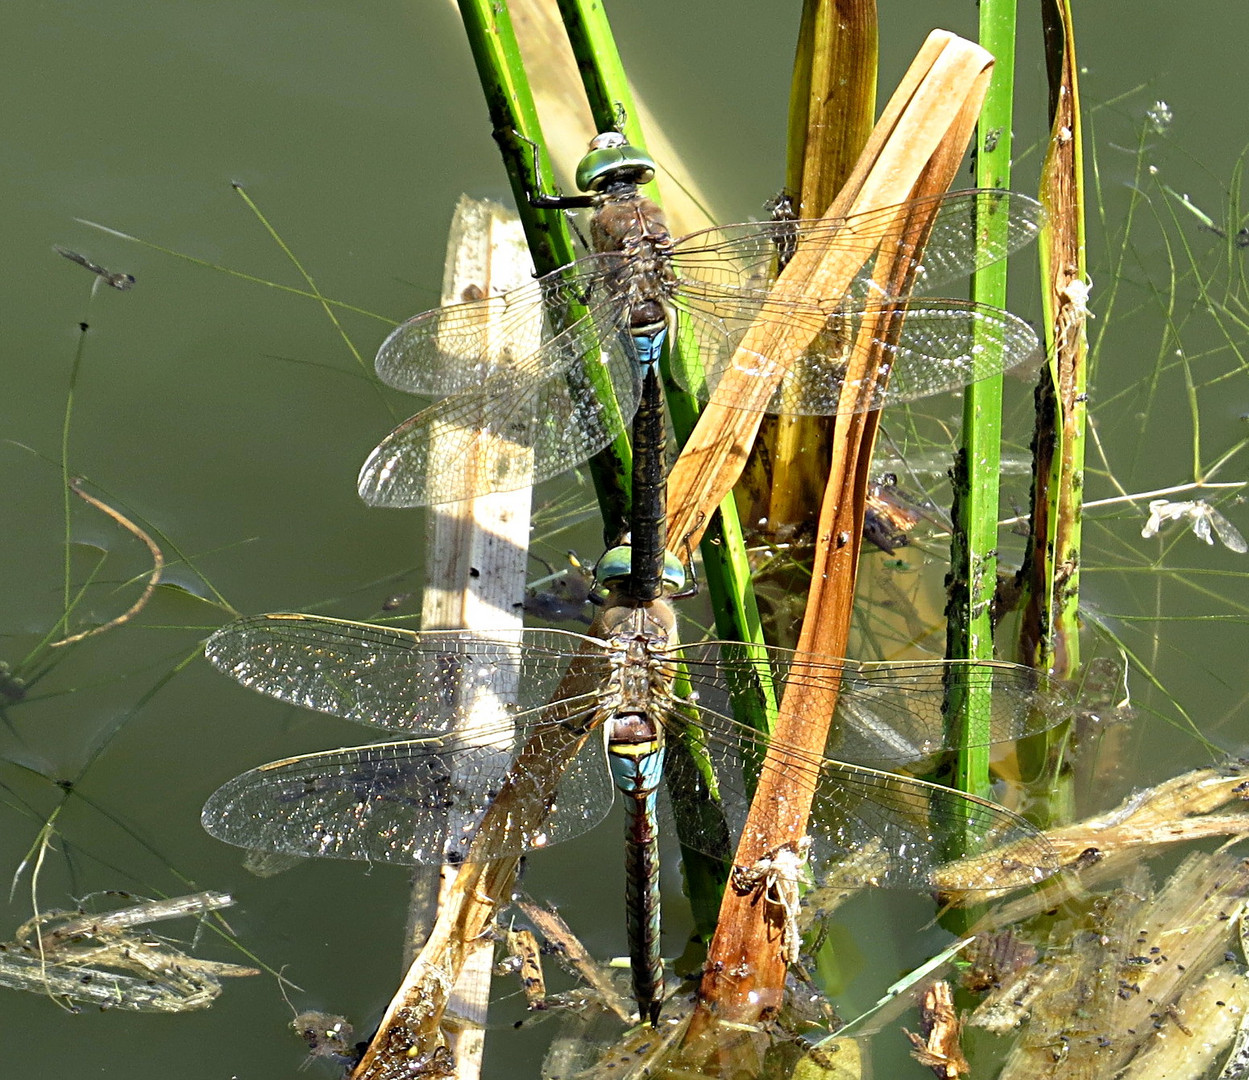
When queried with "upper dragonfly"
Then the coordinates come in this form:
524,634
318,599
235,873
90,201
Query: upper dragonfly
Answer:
514,368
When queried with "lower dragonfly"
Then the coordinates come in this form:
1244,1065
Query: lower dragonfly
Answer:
416,800
517,371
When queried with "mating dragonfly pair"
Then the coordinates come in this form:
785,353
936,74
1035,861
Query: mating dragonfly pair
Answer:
518,370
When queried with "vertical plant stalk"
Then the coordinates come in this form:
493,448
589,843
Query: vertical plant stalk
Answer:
973,548
727,571
514,118
832,106
832,98
1051,575
914,152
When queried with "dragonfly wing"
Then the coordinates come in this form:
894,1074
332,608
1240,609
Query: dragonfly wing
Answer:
406,802
942,345
427,682
926,347
898,830
456,348
707,340
706,814
906,829
513,433
969,230
893,713
888,713
972,229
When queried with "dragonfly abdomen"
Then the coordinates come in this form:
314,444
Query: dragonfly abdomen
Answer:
648,520
635,755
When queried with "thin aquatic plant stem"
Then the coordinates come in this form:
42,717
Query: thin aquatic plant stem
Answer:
1051,625
832,107
518,132
67,424
973,554
602,72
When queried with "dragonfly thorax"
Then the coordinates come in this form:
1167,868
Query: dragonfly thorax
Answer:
626,625
638,639
629,222
630,229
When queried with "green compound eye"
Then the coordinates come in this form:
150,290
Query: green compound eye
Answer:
611,158
614,565
617,562
674,574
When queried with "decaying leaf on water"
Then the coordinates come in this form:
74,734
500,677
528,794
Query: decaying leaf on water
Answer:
1134,983
1101,848
590,1046
1129,983
83,957
329,1037
524,961
939,1042
591,1043
833,1059
574,956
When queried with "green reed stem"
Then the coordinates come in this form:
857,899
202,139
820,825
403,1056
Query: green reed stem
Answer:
1051,575
514,117
726,568
973,554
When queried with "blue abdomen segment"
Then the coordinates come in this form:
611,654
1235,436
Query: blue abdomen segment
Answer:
648,346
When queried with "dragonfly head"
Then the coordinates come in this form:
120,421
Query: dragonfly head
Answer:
611,161
613,568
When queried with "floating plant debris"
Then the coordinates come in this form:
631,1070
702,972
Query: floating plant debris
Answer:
99,959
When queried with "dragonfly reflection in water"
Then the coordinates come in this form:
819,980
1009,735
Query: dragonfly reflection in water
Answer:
515,368
408,801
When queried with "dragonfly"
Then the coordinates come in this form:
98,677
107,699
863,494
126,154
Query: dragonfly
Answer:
117,279
642,569
582,698
516,371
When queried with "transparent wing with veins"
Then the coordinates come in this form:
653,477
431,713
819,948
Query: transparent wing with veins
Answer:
405,801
